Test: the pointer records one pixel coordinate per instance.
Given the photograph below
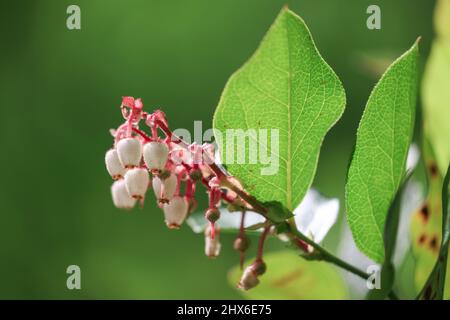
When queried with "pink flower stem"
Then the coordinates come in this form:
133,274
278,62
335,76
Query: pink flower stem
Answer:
242,236
142,134
262,239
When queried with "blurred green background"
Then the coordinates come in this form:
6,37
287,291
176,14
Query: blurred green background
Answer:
60,92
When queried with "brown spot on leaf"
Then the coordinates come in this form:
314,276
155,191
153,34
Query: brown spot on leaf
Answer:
434,244
425,212
422,238
284,280
433,169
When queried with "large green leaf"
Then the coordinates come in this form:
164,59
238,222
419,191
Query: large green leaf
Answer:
289,277
378,161
435,88
286,86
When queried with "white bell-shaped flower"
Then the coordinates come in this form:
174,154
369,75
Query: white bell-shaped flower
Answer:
129,151
249,279
113,165
175,212
155,155
136,181
120,196
165,189
212,246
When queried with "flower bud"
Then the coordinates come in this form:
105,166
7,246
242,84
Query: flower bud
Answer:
212,246
259,267
120,196
212,214
175,212
241,243
165,188
249,279
155,155
129,151
136,181
113,165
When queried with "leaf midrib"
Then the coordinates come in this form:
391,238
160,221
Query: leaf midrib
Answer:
289,159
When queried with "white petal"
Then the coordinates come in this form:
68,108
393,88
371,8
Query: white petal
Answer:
156,184
120,196
413,157
129,151
316,215
170,186
155,155
175,212
113,164
136,181
212,246
249,279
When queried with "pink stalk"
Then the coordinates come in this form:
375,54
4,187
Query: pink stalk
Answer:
262,239
142,134
242,235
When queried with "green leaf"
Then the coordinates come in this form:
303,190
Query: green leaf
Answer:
289,277
436,282
404,287
426,223
435,88
285,86
276,212
442,19
378,162
429,225
390,239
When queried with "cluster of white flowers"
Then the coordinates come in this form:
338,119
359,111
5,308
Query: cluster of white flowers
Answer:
130,163
138,162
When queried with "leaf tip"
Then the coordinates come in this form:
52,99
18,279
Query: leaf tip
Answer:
419,38
286,11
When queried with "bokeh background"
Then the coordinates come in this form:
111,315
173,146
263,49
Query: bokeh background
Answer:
60,91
